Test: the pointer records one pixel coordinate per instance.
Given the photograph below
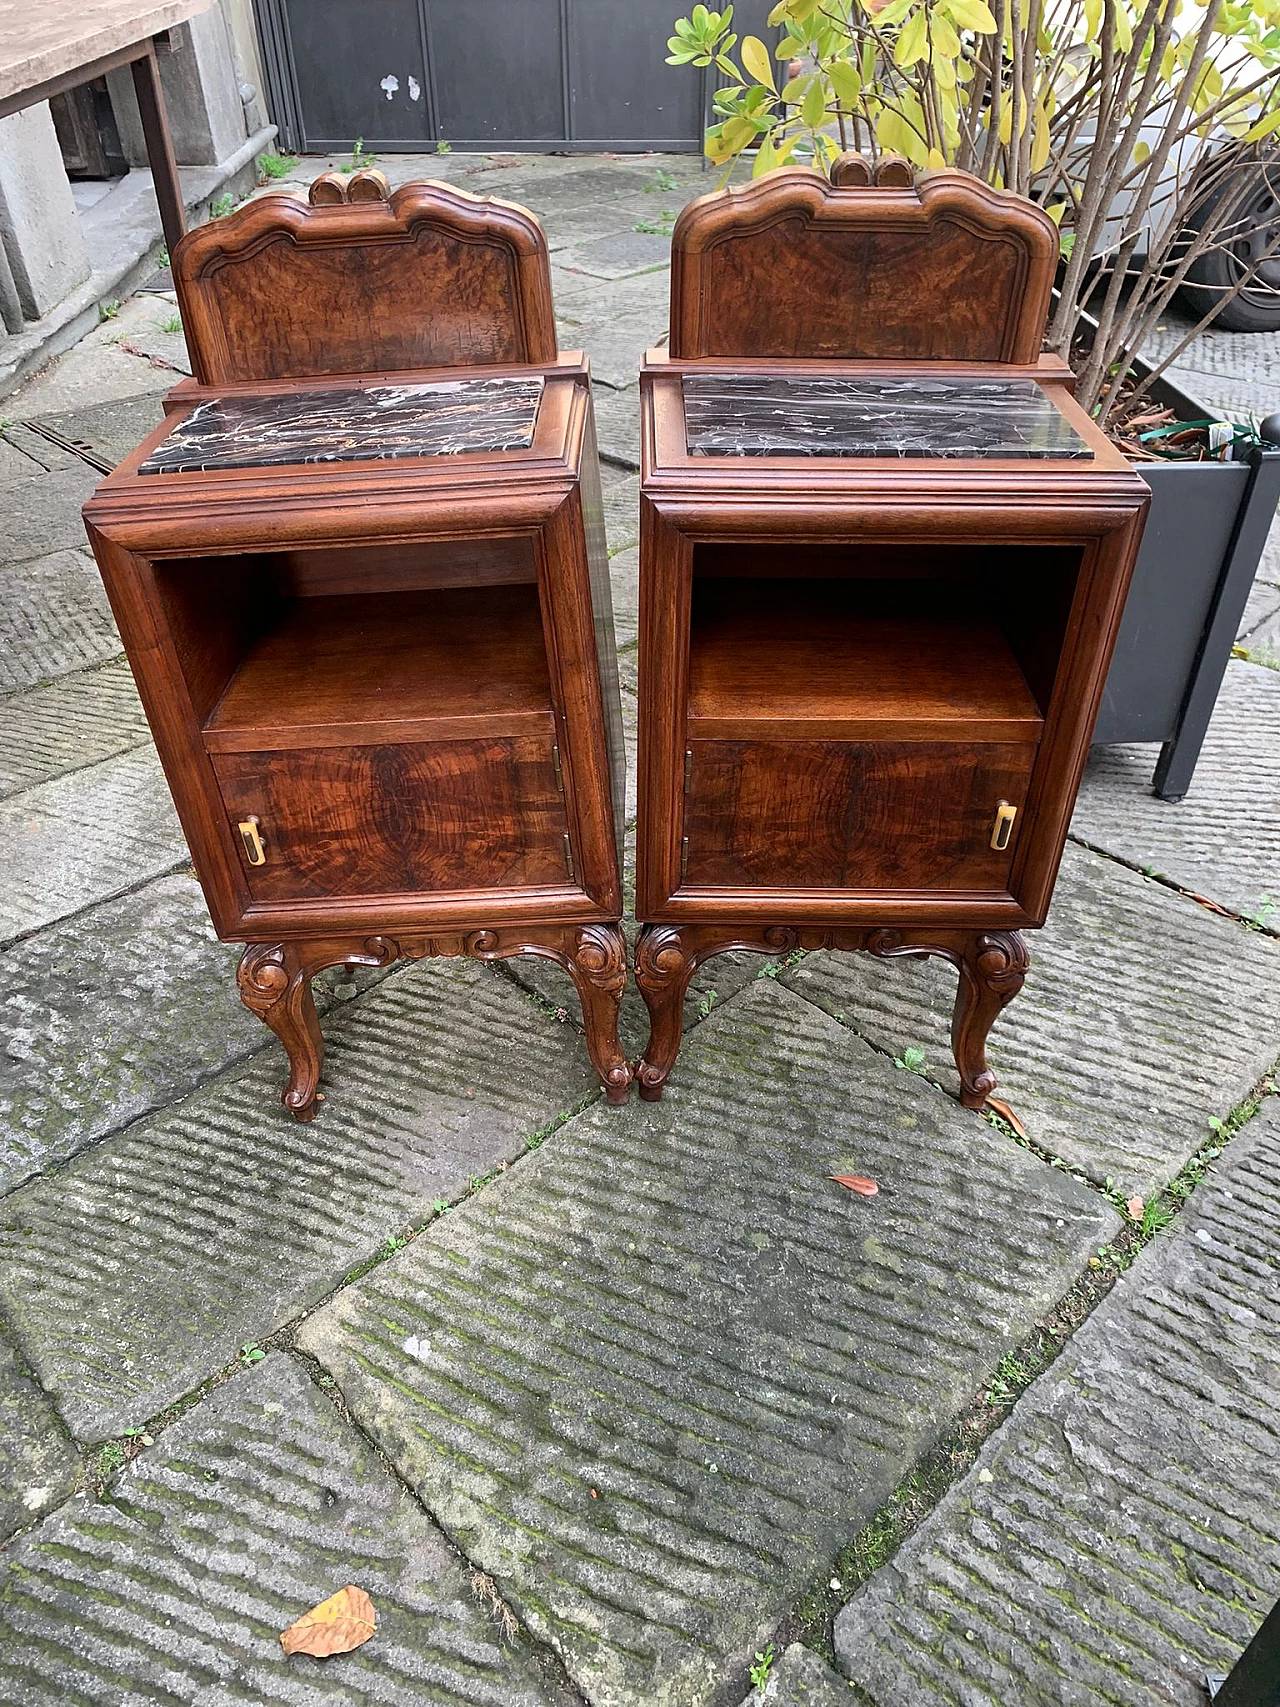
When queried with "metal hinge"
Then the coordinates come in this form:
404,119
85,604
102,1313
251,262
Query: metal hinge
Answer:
688,768
684,857
1002,829
568,856
555,764
251,835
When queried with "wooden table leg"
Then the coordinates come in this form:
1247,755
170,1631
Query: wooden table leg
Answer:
155,129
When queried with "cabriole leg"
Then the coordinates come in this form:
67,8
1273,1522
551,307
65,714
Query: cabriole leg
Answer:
598,966
275,984
992,968
663,971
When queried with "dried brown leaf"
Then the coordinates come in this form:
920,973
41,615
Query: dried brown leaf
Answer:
856,1182
336,1626
1135,1206
998,1106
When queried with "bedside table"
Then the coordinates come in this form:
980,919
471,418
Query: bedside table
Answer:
883,560
368,611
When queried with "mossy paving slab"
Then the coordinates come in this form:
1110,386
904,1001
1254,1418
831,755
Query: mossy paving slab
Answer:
251,1509
1120,1535
54,618
1223,839
1144,1016
107,1015
83,838
800,1679
144,1265
654,1378
39,1465
77,721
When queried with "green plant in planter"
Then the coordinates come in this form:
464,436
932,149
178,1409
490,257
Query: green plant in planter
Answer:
1147,129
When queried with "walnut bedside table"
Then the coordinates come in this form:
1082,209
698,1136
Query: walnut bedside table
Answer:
360,575
883,560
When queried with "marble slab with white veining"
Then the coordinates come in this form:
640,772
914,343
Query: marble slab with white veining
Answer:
736,414
374,423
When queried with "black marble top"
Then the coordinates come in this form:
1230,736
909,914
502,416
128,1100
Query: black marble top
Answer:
738,414
375,423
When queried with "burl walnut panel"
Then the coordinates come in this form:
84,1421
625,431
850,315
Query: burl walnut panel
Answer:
794,266
397,819
431,277
851,815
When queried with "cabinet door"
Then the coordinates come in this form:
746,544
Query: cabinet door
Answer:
875,815
397,820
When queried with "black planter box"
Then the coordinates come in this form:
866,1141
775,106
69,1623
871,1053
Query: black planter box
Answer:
1204,537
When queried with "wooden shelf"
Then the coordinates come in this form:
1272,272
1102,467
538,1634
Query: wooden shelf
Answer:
804,660
365,669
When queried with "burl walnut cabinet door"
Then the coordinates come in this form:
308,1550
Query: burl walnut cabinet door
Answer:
851,815
443,815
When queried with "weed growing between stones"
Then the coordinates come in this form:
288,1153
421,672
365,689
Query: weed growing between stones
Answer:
1265,919
810,1620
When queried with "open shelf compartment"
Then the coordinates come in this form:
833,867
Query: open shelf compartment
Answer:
875,643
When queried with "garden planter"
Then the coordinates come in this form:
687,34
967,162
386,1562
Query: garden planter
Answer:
1204,537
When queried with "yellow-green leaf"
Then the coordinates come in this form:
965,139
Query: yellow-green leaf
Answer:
1141,153
845,80
945,39
1056,212
1092,18
975,15
755,58
766,157
814,107
936,159
1264,127
912,44
1040,141
1005,129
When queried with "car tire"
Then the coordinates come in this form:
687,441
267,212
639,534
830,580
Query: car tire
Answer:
1257,307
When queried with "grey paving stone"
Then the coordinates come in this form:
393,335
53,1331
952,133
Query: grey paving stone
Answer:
251,1509
84,837
38,451
1223,839
39,1466
622,513
1120,1535
15,464
42,513
74,722
800,1679
116,427
657,1373
624,577
54,618
1144,1016
618,424
143,1266
109,1015
619,254
1260,612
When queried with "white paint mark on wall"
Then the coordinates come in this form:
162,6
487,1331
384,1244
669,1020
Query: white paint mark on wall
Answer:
415,89
389,85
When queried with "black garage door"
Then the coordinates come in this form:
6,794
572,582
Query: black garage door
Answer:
405,75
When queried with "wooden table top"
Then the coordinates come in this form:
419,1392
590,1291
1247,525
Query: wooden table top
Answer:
44,39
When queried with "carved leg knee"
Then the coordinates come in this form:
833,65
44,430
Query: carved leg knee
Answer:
275,984
663,971
597,964
992,968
